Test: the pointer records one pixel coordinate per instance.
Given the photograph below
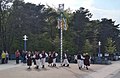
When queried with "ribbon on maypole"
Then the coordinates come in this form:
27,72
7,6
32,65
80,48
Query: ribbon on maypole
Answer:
65,25
62,22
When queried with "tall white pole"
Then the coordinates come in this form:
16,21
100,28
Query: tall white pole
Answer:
61,39
61,9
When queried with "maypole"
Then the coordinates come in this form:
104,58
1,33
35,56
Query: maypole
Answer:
61,39
62,24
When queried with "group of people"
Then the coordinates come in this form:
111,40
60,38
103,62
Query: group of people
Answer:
39,59
83,61
4,57
52,58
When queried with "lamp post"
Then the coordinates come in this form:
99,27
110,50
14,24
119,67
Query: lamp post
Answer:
25,39
99,52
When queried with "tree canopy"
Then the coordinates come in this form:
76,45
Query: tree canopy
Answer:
39,22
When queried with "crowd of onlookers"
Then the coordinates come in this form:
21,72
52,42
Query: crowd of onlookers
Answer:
4,57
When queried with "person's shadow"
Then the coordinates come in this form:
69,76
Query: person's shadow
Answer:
28,69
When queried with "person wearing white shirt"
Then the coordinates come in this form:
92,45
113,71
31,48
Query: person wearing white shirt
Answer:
65,61
37,59
54,58
80,60
43,58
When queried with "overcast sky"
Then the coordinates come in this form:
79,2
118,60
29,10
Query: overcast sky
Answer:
99,8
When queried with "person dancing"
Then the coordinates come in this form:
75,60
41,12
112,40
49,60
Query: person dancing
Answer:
54,58
43,58
29,59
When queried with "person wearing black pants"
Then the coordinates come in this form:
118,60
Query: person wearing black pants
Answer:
33,54
7,57
3,56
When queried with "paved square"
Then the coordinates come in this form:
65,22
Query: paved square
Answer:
21,71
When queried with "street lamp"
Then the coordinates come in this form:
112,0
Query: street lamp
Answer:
25,39
99,52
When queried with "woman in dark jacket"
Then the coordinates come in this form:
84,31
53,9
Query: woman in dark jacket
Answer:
29,59
86,60
50,59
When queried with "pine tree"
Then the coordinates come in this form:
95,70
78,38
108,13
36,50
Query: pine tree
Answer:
87,48
110,46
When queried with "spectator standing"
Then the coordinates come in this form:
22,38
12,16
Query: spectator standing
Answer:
3,55
17,55
7,57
